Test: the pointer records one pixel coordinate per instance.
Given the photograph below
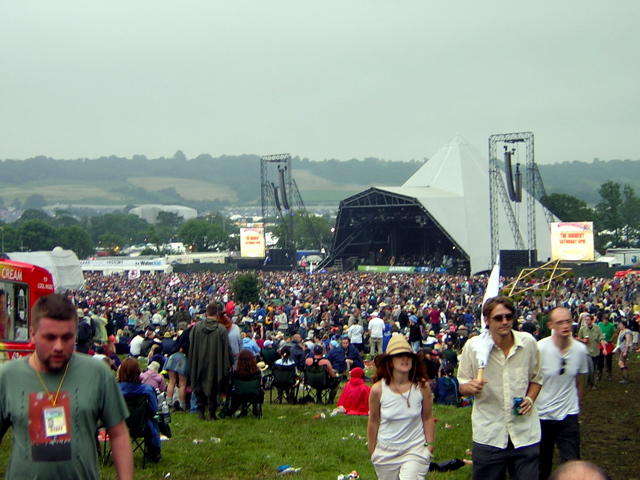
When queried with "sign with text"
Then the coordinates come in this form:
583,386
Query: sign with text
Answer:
252,243
572,241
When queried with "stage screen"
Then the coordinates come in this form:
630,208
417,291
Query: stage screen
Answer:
572,241
252,243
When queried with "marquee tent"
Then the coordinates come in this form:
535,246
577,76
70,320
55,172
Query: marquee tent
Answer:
442,211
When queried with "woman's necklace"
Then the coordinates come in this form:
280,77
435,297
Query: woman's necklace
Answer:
402,395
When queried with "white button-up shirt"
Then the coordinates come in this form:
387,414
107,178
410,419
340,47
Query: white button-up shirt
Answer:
507,377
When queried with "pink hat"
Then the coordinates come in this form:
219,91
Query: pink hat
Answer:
357,372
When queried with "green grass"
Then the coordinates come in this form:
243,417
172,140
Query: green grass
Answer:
287,434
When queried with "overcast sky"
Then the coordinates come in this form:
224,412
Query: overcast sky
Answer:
318,79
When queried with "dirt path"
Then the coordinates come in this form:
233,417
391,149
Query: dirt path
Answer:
611,424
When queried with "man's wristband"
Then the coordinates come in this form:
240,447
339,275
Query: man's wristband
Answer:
529,398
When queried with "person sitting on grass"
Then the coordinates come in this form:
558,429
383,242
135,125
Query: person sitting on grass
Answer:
446,392
354,399
128,378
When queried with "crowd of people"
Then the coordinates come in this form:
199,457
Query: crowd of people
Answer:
342,321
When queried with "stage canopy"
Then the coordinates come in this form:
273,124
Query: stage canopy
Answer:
438,217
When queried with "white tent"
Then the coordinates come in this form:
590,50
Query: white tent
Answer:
150,212
453,186
63,265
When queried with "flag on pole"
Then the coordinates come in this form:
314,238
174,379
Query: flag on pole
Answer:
485,342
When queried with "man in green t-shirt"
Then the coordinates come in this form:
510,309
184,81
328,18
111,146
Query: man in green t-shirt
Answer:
591,335
54,399
606,360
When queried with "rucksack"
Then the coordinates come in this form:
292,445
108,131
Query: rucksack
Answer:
85,332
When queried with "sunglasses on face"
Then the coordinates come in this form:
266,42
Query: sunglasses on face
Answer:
502,318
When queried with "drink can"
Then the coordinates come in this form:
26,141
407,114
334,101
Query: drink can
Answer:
517,401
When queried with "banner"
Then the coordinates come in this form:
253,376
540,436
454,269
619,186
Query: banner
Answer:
572,241
385,268
252,243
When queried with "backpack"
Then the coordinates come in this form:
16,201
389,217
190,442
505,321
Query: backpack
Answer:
85,332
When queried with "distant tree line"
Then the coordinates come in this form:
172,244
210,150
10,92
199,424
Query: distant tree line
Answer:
113,232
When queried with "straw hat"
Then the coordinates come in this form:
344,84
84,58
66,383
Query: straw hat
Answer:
398,344
262,366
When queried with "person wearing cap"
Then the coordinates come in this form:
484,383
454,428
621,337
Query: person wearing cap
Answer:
400,431
502,439
376,332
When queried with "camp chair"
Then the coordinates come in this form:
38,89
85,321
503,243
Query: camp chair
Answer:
245,393
318,381
269,355
138,406
284,383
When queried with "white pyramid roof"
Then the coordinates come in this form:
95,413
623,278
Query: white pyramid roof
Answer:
453,186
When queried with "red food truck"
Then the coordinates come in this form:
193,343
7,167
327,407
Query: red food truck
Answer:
21,284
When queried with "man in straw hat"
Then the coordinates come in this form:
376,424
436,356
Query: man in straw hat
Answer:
506,429
401,431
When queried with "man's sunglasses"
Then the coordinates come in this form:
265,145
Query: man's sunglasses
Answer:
564,364
501,318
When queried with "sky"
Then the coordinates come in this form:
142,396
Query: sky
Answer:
329,79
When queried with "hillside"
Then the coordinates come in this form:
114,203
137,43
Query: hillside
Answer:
209,183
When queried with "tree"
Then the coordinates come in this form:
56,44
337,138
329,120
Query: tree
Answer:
201,236
630,213
308,233
129,227
16,203
246,288
35,201
568,208
63,218
34,214
609,214
77,239
169,220
37,235
112,242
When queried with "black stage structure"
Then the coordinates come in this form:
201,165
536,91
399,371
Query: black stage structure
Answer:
377,227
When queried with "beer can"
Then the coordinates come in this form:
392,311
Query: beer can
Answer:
517,401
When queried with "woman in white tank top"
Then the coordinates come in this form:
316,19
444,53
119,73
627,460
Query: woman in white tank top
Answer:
401,431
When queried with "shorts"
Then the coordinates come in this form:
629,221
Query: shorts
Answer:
392,464
177,363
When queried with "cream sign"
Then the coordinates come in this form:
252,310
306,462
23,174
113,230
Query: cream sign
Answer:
252,243
572,241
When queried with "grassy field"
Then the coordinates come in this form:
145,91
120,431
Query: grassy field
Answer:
325,448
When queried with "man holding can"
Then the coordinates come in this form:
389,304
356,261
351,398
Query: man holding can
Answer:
564,360
506,429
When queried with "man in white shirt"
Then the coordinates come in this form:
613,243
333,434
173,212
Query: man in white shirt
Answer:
504,437
355,334
563,361
136,343
376,330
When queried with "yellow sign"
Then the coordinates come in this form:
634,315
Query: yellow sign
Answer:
572,241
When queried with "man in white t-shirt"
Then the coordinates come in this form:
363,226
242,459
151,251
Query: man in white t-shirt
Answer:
563,361
376,331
